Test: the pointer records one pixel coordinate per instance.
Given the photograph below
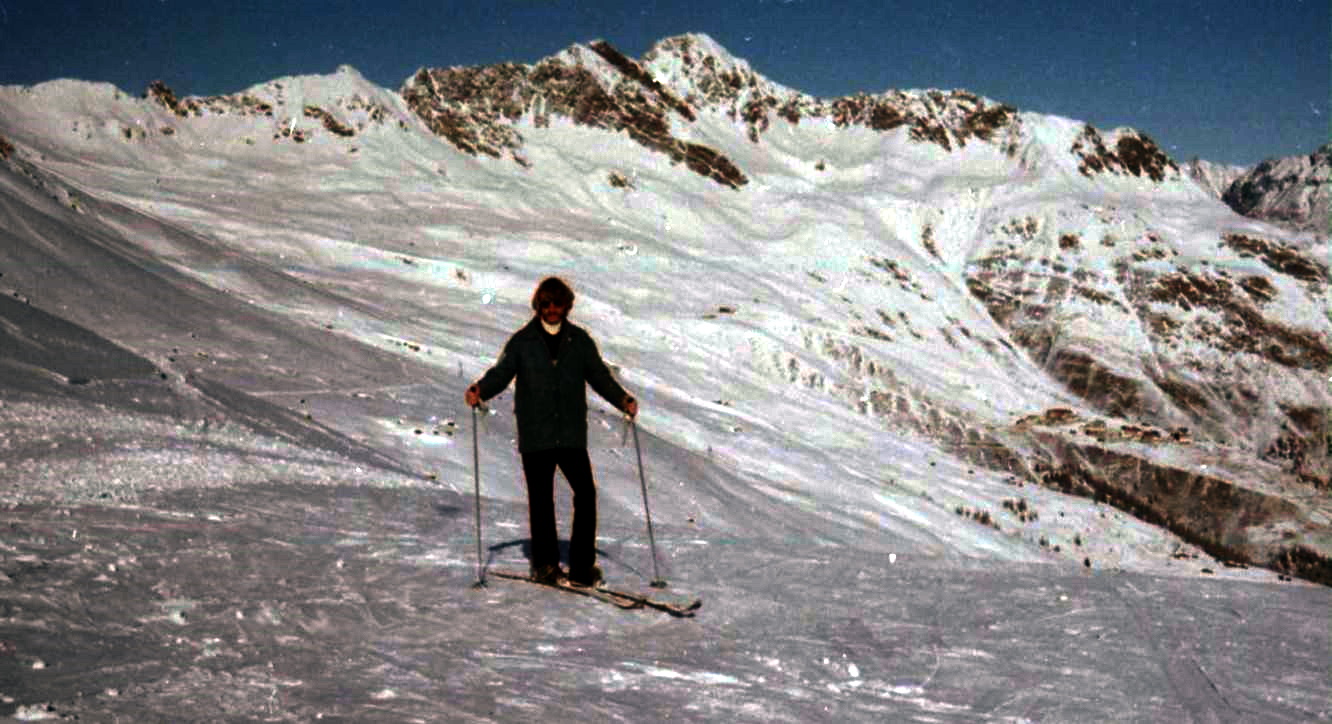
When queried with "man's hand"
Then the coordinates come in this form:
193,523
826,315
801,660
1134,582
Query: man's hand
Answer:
473,396
630,406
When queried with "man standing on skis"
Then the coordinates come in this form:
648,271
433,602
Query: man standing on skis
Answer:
553,360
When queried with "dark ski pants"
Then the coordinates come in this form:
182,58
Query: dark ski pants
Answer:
539,469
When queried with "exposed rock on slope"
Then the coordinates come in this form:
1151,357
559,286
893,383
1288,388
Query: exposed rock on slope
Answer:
1201,350
475,108
1134,153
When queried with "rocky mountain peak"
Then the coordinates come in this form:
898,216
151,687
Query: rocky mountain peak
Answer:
701,70
1290,192
707,75
476,108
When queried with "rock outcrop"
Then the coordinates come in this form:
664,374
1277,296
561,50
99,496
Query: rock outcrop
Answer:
1133,153
476,108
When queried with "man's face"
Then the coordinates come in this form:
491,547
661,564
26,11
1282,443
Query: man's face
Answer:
553,312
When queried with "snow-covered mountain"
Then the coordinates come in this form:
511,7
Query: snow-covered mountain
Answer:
1291,192
1020,293
920,322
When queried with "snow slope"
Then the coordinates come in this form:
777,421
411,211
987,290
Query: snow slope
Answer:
244,330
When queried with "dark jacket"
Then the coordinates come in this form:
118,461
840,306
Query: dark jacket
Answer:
550,399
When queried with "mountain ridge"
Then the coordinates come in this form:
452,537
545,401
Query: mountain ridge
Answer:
698,69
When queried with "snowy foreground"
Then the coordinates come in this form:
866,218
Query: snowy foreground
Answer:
309,589
236,473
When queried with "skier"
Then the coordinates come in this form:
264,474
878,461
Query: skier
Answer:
553,359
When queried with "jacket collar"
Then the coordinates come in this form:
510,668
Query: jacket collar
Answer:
534,327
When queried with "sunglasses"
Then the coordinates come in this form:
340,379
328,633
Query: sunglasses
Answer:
545,303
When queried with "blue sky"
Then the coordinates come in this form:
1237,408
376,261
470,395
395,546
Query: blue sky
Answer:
1226,80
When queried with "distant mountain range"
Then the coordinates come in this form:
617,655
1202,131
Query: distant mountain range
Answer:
1291,192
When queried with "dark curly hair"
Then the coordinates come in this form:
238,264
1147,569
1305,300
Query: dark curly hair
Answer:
556,290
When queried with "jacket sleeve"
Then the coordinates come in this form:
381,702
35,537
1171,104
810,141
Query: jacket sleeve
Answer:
599,376
497,378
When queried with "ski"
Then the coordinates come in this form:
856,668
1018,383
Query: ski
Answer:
619,598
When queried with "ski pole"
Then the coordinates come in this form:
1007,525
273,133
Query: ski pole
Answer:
657,580
476,470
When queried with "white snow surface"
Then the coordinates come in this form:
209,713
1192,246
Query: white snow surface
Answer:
318,308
